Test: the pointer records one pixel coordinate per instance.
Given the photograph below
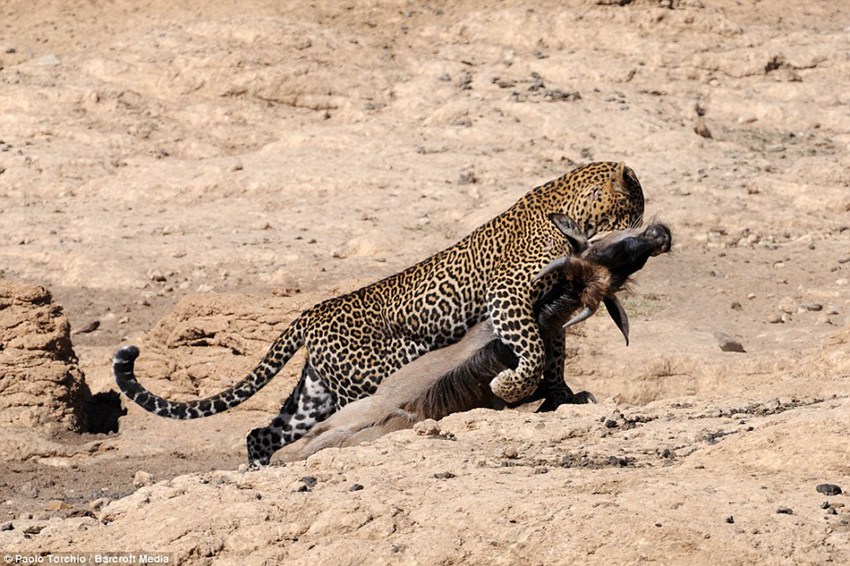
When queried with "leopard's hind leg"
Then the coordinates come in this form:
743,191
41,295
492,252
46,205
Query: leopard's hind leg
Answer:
309,403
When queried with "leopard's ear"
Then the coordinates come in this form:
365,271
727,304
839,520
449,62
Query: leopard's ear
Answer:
568,227
625,182
617,180
620,170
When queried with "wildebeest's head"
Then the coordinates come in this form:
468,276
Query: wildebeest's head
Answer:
605,264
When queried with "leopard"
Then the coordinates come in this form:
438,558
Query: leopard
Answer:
355,340
456,378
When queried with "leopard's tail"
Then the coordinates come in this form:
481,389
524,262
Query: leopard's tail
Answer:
289,342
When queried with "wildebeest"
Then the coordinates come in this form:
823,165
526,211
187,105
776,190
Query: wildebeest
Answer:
457,378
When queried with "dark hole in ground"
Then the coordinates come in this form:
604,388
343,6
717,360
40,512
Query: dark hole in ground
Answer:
103,411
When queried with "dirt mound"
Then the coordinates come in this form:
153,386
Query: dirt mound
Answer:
833,359
209,341
697,482
41,385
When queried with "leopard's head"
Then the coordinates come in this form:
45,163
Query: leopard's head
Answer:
606,195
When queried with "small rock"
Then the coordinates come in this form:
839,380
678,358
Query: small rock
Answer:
556,95
728,343
142,478
775,318
841,282
730,519
90,327
832,511
98,503
7,526
355,487
814,307
29,490
33,529
309,481
700,128
537,83
505,83
156,275
824,505
48,60
428,427
774,63
56,505
11,50
511,452
467,178
807,240
444,475
788,305
828,489
785,511
619,461
736,306
242,468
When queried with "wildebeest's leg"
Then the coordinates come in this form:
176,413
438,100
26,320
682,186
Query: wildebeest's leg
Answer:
309,403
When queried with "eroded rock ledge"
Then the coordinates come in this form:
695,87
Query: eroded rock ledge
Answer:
41,385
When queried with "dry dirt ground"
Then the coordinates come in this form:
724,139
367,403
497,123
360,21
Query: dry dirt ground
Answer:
189,175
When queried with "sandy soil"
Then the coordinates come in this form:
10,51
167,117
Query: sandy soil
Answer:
189,175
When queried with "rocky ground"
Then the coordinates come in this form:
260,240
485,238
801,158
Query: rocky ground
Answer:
189,176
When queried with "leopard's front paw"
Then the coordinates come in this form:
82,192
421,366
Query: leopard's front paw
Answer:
508,386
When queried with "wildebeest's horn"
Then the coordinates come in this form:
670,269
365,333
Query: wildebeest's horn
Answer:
586,313
618,315
552,266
